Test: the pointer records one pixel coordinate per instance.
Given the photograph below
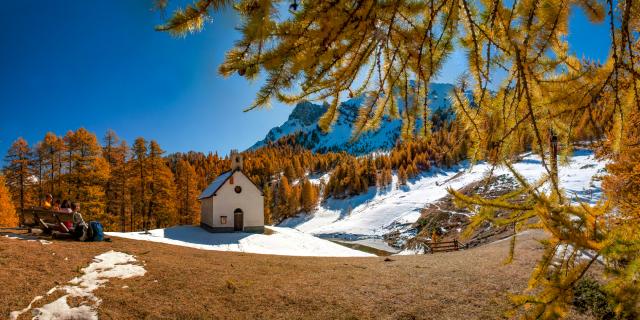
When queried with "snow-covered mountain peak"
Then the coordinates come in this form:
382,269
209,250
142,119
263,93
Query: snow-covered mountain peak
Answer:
304,118
307,113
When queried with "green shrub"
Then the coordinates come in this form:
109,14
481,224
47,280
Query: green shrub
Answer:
588,297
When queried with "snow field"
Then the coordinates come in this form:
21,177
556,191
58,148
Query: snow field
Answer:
281,241
378,212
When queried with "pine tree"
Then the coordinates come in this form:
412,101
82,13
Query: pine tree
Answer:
8,217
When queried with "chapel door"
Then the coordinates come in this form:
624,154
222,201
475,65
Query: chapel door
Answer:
238,220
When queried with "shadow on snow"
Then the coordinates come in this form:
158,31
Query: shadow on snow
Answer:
198,235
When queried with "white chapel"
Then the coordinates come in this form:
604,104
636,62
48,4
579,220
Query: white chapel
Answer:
232,202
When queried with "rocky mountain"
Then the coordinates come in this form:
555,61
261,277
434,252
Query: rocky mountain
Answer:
304,118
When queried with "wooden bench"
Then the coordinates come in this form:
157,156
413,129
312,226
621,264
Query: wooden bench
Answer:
47,220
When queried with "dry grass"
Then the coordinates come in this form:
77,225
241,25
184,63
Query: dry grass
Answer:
185,283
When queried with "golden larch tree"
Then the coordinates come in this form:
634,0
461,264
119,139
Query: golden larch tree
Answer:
8,216
187,193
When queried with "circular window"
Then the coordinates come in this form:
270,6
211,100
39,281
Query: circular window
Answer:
238,189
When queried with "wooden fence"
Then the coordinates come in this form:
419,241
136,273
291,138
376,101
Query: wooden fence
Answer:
444,246
441,246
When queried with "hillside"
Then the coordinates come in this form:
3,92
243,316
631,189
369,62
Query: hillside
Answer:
188,283
395,209
305,115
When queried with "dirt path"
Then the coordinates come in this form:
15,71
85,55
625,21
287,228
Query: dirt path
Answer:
193,284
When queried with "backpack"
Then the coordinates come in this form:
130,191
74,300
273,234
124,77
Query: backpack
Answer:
97,233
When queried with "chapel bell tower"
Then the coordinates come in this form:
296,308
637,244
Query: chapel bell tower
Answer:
236,160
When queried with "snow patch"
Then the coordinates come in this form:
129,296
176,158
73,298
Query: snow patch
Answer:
20,236
60,309
15,314
108,265
409,252
282,241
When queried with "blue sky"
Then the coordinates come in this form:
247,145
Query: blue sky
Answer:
99,65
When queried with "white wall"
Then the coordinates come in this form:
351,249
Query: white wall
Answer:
226,201
206,211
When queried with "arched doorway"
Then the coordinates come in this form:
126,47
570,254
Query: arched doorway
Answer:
238,220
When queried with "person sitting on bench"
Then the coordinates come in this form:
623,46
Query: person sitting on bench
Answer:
56,205
80,227
48,201
66,207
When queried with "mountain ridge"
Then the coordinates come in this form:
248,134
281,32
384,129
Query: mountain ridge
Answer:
305,115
